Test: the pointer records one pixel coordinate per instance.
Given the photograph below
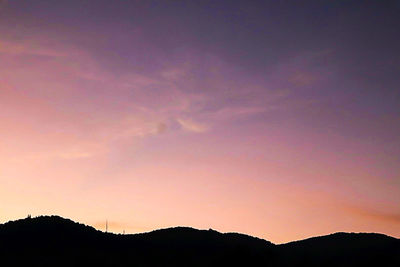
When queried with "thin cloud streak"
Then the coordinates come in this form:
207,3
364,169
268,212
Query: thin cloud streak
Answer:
192,126
375,214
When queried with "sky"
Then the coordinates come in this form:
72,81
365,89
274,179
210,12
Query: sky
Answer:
278,119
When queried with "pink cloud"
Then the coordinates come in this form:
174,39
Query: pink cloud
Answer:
192,126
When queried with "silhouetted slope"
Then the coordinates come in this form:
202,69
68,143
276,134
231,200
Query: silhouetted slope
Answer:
343,249
47,240
54,241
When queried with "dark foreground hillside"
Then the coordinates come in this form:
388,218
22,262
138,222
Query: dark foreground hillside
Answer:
54,241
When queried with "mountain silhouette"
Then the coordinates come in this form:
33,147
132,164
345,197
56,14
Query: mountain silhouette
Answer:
55,241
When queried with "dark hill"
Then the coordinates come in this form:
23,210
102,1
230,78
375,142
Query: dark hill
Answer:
344,249
54,241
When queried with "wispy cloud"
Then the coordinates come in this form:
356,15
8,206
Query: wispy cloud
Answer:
76,155
302,78
192,126
227,113
112,107
31,47
375,214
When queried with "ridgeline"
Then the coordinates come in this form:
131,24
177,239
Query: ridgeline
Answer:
55,241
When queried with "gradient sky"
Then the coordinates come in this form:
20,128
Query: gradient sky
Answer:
279,119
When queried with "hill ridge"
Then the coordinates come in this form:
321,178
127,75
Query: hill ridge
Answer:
58,219
44,240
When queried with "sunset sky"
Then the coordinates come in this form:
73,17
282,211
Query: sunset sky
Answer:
278,119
